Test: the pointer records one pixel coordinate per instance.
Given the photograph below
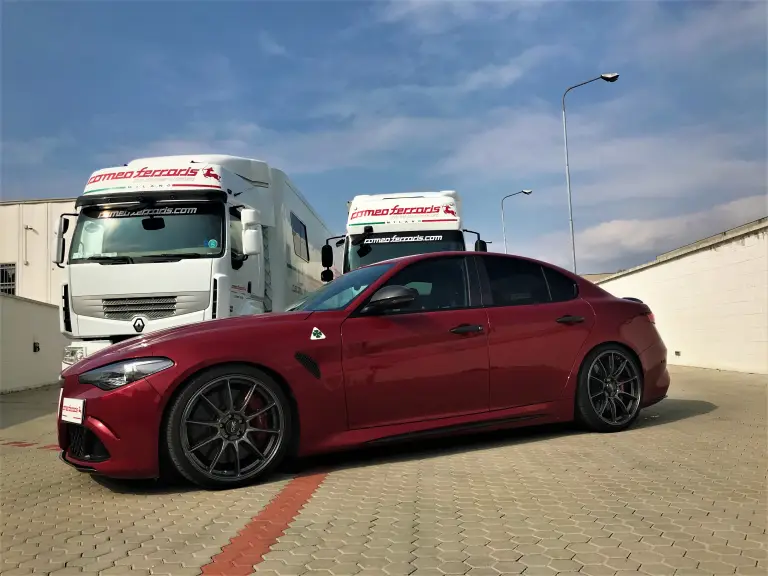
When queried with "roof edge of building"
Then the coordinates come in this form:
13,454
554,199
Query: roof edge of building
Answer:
754,227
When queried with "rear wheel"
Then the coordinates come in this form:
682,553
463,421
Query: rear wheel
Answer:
230,426
610,389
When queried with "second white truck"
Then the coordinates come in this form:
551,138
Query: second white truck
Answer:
166,241
384,226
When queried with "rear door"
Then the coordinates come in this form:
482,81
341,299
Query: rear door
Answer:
423,362
538,325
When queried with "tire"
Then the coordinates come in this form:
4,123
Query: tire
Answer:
622,388
218,435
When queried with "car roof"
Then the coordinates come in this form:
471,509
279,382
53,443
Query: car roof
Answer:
405,260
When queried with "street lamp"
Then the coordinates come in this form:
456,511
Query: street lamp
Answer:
610,77
503,228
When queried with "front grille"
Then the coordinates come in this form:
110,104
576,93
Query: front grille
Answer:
84,444
151,308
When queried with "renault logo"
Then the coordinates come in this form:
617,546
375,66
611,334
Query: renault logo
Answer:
138,325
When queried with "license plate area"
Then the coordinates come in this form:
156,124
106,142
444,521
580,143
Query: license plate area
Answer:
72,410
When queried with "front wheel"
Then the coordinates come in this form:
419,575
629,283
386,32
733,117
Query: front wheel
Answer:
230,426
610,389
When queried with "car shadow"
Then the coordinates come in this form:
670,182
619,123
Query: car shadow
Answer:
666,412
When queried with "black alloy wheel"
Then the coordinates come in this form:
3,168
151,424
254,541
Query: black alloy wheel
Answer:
610,389
230,426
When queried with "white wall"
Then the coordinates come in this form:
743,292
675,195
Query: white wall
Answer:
711,305
31,249
22,323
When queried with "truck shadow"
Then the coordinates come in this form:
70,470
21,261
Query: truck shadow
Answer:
668,411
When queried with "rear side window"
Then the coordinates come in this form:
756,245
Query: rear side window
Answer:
515,282
561,288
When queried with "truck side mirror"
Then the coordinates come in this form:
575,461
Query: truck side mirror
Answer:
249,217
326,256
252,242
60,243
326,275
481,246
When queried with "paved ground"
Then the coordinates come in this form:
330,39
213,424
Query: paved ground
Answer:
683,493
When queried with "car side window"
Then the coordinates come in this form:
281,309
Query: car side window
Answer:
515,282
561,288
440,282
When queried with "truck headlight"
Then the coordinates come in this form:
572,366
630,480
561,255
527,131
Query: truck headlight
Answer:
119,374
73,355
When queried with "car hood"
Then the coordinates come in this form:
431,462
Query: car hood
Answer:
140,345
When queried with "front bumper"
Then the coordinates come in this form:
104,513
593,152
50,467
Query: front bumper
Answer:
119,432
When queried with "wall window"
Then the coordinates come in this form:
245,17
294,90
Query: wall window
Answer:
440,282
300,244
8,279
515,282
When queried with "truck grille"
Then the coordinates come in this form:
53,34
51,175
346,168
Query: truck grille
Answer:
152,308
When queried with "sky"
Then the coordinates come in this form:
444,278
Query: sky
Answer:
356,97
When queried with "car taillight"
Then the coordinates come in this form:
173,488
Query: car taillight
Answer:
651,317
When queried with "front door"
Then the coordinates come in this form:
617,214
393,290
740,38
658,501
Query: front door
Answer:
426,361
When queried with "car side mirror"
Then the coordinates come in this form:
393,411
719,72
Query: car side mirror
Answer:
249,218
326,275
326,255
390,297
481,246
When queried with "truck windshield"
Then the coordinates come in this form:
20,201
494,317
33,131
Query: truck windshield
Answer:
337,294
147,233
386,245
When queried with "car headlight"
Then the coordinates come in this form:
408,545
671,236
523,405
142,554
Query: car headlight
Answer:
119,374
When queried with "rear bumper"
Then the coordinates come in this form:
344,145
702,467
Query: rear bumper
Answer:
657,380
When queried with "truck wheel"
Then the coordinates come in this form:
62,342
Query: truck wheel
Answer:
610,389
230,426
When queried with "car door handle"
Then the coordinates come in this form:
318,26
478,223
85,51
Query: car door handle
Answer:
568,319
466,328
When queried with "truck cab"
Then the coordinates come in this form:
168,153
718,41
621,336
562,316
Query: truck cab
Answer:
162,242
385,226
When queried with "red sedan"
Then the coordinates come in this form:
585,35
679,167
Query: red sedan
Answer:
423,345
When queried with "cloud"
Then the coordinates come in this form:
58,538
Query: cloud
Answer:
270,46
705,27
438,16
609,164
497,76
34,151
445,96
626,242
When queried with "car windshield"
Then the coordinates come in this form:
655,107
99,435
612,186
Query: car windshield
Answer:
337,294
388,245
148,233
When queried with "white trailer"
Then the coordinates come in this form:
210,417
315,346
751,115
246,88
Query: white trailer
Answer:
166,241
384,226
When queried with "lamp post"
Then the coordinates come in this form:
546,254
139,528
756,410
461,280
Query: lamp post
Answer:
503,228
611,77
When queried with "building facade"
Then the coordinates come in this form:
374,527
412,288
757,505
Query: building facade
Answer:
710,299
27,236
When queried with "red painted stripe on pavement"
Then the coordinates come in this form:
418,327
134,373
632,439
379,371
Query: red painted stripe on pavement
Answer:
247,549
50,447
19,444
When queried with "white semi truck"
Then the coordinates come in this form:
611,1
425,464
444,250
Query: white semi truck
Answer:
166,241
384,226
